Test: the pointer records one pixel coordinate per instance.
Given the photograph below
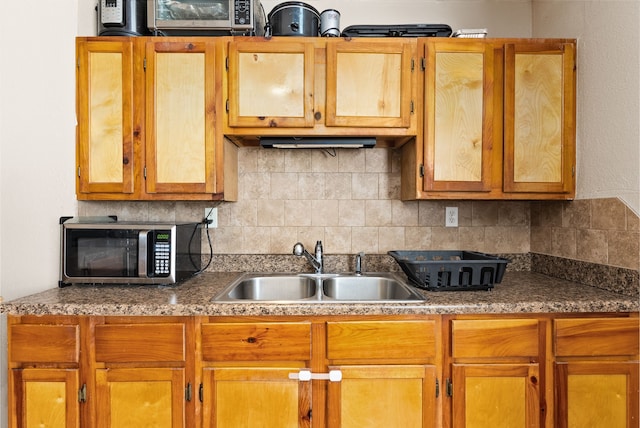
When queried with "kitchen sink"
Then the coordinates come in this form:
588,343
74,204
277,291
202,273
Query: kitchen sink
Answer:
318,288
280,287
356,288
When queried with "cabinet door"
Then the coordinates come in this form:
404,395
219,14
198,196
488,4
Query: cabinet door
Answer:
539,111
597,394
496,395
369,84
44,398
181,94
383,396
458,128
137,397
248,397
105,116
271,84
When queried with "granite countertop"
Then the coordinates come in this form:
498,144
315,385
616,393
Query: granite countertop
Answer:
519,292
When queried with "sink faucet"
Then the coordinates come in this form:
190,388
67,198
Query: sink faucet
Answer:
359,258
317,261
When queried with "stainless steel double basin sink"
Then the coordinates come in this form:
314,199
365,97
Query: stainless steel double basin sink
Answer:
319,288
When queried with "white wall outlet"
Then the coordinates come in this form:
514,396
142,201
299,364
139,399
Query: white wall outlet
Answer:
451,217
211,215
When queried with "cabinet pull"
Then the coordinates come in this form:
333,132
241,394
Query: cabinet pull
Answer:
306,375
187,392
82,393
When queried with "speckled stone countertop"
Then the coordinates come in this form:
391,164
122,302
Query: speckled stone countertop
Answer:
519,292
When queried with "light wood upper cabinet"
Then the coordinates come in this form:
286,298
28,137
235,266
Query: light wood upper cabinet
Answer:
181,132
459,116
296,87
498,121
147,125
105,116
271,84
369,84
539,128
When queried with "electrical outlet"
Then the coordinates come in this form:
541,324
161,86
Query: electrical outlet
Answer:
211,215
451,217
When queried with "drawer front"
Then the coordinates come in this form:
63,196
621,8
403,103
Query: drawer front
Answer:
44,343
381,339
495,338
124,343
290,341
596,337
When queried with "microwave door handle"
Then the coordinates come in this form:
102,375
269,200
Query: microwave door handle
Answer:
142,253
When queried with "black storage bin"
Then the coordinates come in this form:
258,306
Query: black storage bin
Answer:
451,270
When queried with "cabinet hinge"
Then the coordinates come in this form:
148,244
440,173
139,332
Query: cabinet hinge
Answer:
82,393
226,105
187,392
421,170
78,171
413,64
201,393
449,388
144,64
226,63
412,105
423,64
437,388
573,171
78,63
144,172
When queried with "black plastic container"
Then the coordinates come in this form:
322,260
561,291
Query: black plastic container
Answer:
451,270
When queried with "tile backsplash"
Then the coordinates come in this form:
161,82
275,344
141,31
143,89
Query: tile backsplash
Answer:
350,199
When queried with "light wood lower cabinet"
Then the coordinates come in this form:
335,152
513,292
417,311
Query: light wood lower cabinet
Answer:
495,372
44,372
545,370
44,398
597,372
246,374
134,398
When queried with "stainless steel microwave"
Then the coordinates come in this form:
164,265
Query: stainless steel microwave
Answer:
215,17
106,251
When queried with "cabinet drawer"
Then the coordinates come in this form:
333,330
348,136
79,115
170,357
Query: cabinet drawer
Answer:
44,343
381,339
124,343
495,338
596,336
290,341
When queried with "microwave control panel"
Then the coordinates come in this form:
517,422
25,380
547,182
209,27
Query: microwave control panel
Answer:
112,12
161,253
242,12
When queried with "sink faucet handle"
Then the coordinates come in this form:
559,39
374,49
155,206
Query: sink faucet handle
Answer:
359,258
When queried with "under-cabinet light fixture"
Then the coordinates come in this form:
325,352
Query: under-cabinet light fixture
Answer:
317,142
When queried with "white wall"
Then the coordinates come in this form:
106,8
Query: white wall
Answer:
37,135
608,158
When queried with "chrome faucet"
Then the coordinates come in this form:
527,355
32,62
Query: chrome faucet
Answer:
317,261
359,258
